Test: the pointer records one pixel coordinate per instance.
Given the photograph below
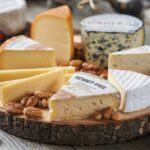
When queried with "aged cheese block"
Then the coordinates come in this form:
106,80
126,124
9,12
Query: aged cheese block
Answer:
134,88
6,75
54,28
81,97
136,59
50,81
12,16
107,33
21,52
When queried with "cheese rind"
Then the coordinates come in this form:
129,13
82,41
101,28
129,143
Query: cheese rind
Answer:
134,88
136,59
81,97
21,52
107,33
6,75
54,28
50,81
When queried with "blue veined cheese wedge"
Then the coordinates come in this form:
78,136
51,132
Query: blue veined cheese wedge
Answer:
135,59
107,33
81,97
133,87
21,52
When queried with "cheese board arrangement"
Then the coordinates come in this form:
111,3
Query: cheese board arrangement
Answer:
54,90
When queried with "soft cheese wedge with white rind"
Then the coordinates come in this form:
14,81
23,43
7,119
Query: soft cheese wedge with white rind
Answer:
134,88
50,81
21,52
7,75
82,96
136,59
54,28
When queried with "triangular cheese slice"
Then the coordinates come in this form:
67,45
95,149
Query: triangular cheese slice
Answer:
135,59
50,81
82,96
134,88
54,28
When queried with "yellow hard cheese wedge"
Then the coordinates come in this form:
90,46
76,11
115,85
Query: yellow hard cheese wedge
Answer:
54,28
21,52
67,77
82,96
6,75
50,81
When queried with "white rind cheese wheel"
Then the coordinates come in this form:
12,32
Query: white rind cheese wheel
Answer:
107,33
133,87
12,16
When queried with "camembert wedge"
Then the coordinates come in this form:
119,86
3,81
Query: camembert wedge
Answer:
83,95
134,88
50,81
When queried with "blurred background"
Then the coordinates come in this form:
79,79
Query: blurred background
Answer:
85,8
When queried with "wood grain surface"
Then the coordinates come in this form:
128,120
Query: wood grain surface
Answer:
10,142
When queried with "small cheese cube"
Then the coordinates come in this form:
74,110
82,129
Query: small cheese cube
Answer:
54,28
21,52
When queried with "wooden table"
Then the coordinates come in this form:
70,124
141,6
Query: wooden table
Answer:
10,142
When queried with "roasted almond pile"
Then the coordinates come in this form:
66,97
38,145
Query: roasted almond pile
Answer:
30,105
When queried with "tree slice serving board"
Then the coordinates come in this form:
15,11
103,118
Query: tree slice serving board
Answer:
78,132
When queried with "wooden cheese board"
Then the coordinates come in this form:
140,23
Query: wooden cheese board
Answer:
130,126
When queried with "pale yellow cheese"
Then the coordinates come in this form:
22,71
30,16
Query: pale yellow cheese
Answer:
6,75
80,108
50,81
54,28
67,77
21,52
82,96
